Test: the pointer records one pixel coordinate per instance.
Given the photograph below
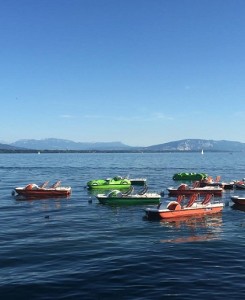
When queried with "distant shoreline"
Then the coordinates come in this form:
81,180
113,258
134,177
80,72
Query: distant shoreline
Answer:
2,151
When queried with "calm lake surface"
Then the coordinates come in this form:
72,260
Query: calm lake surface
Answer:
76,248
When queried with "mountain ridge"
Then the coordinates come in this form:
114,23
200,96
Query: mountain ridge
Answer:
53,144
9,147
62,144
198,145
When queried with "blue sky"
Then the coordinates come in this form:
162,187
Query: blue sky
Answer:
142,72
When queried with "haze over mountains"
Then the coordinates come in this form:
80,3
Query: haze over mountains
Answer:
53,144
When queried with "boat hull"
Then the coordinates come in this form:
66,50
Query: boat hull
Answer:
44,193
187,212
238,200
109,186
129,200
239,186
201,191
225,186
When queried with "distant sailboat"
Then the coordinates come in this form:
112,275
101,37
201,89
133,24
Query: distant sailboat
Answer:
202,151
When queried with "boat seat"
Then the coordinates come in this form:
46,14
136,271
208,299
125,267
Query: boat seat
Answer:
129,191
174,205
217,179
196,184
207,199
180,198
44,185
144,190
56,184
183,186
192,199
31,186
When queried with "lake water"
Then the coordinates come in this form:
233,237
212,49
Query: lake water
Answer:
76,248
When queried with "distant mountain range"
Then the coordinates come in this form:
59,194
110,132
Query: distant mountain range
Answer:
52,144
7,147
198,145
60,144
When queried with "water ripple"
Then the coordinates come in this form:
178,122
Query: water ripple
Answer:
75,248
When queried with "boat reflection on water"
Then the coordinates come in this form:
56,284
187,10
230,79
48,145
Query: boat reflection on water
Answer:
34,198
194,222
191,239
47,206
193,227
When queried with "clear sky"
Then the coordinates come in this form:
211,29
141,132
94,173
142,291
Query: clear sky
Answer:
142,72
